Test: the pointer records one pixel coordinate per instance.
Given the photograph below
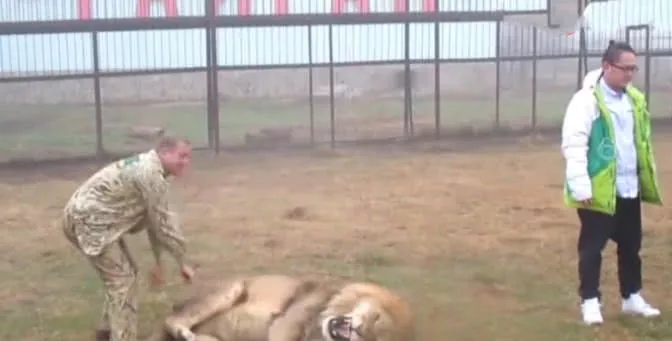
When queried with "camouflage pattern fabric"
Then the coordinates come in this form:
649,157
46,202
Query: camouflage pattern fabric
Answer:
124,197
118,271
116,268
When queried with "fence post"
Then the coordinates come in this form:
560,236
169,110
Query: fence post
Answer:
647,65
535,57
408,91
549,15
212,79
498,72
100,150
582,63
647,54
437,78
311,90
332,101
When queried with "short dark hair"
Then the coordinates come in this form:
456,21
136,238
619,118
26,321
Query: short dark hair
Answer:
168,143
613,52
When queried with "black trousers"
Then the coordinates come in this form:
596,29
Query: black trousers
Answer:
624,228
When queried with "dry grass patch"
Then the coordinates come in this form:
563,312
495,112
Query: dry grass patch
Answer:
480,243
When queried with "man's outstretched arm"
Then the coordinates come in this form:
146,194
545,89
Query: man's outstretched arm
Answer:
164,231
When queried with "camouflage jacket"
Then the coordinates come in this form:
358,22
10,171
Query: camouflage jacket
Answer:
126,196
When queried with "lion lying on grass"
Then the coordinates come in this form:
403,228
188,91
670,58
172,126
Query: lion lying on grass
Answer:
283,308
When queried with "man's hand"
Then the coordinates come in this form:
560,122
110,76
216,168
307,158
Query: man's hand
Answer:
187,273
157,279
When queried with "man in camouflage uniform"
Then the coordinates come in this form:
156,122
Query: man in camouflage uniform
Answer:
128,196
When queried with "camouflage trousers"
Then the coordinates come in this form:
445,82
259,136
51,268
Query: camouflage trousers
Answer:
117,270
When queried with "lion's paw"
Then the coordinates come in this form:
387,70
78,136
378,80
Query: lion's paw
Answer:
186,335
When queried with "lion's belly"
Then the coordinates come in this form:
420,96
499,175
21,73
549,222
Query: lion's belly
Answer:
267,296
243,323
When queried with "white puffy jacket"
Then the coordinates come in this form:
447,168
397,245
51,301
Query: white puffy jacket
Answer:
579,116
590,80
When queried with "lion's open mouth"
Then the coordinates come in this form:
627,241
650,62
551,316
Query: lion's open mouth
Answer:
340,328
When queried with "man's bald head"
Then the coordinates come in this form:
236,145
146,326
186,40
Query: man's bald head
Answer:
175,154
168,143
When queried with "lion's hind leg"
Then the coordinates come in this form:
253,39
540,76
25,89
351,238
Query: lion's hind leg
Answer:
197,310
162,335
206,338
199,337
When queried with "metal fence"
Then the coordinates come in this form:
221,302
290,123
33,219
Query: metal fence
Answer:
87,86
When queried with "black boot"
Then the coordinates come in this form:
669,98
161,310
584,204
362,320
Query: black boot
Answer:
103,335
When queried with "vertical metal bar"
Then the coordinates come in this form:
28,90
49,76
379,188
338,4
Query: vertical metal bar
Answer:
647,65
627,34
311,91
647,56
208,47
585,54
583,59
332,101
215,91
213,81
582,43
498,73
535,37
437,78
97,96
208,110
408,104
549,14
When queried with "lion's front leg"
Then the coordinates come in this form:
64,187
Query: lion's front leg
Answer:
294,322
285,330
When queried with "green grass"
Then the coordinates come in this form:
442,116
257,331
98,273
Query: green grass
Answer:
52,131
455,298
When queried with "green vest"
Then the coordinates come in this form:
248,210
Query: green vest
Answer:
602,157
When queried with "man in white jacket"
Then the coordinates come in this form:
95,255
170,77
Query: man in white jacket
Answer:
610,170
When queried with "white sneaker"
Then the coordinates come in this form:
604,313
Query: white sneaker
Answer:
590,310
636,305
